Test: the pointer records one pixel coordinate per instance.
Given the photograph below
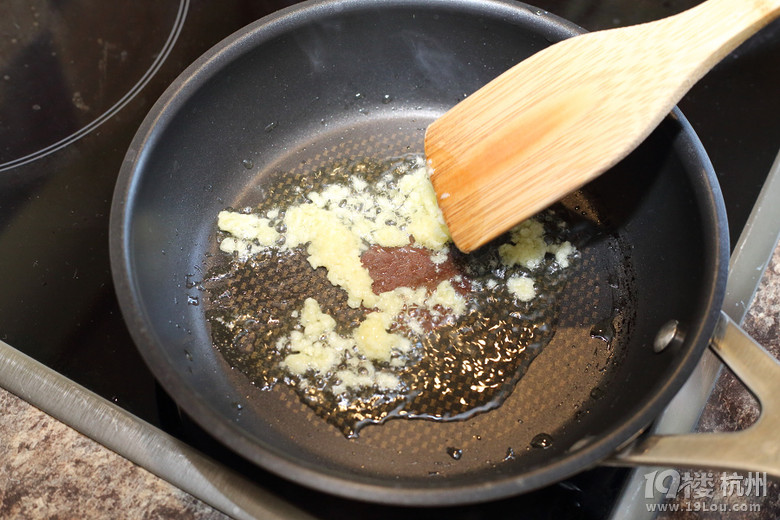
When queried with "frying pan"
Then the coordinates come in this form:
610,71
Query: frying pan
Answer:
334,80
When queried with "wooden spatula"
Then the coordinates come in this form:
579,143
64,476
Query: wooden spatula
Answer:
568,113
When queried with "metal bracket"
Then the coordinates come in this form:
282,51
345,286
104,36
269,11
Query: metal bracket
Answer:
755,448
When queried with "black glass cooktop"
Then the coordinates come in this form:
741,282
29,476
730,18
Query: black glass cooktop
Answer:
78,76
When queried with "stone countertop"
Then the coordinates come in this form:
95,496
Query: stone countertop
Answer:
48,470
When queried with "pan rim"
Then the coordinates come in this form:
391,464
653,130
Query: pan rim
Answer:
706,188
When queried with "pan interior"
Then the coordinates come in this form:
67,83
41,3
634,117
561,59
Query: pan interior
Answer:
302,92
588,337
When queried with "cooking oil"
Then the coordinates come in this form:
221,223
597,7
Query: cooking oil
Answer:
457,366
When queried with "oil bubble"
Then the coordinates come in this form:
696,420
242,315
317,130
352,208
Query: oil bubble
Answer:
542,441
455,453
604,330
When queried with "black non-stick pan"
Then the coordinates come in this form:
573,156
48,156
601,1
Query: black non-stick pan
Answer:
343,80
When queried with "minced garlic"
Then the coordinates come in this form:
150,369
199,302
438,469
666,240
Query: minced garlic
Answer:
332,245
337,225
527,246
250,233
522,288
373,340
318,347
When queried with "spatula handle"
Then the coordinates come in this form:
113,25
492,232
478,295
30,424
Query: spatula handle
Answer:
711,30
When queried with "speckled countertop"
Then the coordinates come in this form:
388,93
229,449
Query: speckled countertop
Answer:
48,470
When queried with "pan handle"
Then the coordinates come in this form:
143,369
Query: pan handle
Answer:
755,448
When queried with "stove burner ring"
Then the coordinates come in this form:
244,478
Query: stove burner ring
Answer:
118,105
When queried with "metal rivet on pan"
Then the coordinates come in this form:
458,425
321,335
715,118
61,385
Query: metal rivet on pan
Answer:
667,334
